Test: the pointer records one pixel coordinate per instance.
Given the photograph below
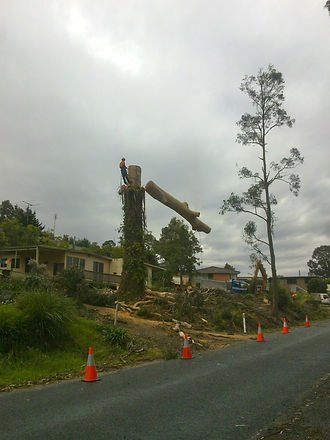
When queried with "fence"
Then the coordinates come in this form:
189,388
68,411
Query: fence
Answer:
102,277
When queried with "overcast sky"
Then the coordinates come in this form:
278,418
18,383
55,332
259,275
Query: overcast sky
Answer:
84,83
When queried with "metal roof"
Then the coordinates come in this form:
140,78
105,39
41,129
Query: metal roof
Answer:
53,248
215,269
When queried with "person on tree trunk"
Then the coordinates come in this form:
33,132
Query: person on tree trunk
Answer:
123,169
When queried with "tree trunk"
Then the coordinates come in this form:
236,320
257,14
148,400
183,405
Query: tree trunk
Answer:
181,208
270,236
133,276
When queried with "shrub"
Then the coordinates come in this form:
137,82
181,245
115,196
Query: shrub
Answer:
14,285
47,317
186,303
284,298
34,282
115,335
183,309
95,298
73,282
12,328
99,299
317,285
170,353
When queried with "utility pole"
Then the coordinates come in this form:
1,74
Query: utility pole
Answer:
55,218
28,209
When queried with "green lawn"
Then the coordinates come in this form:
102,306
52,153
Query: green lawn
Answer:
34,365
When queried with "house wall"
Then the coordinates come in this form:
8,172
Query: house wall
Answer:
291,283
116,266
205,283
21,256
89,260
149,276
50,258
221,277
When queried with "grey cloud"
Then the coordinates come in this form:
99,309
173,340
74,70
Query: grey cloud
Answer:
84,83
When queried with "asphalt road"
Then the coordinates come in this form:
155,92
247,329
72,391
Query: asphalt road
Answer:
228,394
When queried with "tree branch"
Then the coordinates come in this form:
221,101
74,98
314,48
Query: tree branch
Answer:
253,213
259,240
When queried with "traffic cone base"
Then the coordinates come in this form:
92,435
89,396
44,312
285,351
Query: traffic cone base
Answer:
186,351
90,372
285,329
260,337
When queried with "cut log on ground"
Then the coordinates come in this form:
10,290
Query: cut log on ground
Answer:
182,323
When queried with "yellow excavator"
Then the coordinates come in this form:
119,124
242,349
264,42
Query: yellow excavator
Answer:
260,267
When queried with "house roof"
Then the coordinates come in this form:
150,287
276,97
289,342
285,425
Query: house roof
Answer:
53,248
215,269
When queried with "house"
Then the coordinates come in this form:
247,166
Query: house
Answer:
214,277
14,261
217,273
293,284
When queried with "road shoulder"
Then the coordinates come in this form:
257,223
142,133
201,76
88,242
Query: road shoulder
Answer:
308,420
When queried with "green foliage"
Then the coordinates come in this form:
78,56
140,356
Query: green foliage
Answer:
317,285
229,266
150,244
13,233
178,247
14,212
95,298
319,265
39,319
134,271
12,328
186,303
47,317
116,336
72,280
18,227
266,93
284,298
169,352
12,285
161,279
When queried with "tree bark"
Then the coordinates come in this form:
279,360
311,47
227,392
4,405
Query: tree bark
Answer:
181,208
269,215
134,272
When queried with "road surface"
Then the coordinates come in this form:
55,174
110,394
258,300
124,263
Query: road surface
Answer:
228,394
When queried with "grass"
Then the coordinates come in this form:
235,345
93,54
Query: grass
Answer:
32,365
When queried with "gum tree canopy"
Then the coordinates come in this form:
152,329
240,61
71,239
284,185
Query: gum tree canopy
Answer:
266,92
319,265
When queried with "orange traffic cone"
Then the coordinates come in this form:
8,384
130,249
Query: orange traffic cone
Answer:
90,372
307,322
260,337
186,351
285,329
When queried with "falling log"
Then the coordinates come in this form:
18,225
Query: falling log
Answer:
181,208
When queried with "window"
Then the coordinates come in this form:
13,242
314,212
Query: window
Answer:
291,280
15,263
98,267
75,262
98,271
9,263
